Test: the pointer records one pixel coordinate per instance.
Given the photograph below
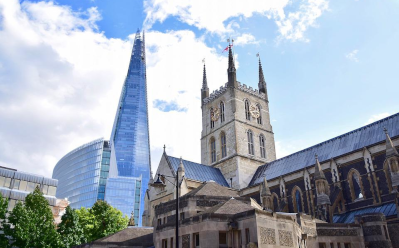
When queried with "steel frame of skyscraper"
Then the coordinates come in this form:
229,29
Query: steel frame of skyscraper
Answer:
130,166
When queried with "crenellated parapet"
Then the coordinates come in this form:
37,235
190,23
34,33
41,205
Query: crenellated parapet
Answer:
215,94
250,90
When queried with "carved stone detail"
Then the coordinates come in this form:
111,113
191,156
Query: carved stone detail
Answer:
206,203
268,236
372,230
336,232
285,238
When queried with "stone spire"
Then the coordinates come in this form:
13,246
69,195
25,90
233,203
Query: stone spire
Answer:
262,82
266,196
265,190
181,166
131,220
231,71
204,89
390,148
318,172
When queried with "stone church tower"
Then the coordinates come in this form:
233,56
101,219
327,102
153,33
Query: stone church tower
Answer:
236,133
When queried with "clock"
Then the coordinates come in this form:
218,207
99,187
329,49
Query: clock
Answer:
215,114
254,111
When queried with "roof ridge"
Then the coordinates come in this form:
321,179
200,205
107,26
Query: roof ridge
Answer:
188,161
337,137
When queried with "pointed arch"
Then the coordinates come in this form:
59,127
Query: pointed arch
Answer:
223,144
355,185
250,140
247,112
262,146
274,202
259,119
210,118
297,200
221,107
213,149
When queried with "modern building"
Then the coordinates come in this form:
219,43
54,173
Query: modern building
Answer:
130,166
82,174
117,171
16,185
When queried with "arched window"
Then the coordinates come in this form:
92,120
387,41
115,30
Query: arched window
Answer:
213,150
275,202
250,142
223,144
355,184
262,146
247,113
259,119
221,112
211,117
297,200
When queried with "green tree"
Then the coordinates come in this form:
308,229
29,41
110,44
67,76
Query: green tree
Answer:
101,220
31,224
70,229
3,216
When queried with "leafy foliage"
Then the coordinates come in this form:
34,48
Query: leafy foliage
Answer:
31,224
3,215
101,220
70,229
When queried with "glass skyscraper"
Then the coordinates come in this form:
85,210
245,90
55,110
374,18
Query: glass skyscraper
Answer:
82,174
130,147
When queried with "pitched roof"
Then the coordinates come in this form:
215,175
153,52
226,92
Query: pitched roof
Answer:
213,189
388,209
338,146
199,172
231,206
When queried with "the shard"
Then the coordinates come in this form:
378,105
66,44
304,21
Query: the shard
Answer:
130,167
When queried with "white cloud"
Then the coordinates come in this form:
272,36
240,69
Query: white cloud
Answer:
245,39
352,55
377,117
61,79
294,24
221,16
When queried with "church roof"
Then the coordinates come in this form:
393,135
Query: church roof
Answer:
199,172
338,146
229,207
214,189
388,210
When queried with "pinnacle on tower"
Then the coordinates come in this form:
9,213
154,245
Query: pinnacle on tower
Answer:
231,71
390,148
204,89
265,190
262,82
181,166
318,173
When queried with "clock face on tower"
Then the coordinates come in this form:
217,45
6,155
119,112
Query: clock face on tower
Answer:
254,111
215,114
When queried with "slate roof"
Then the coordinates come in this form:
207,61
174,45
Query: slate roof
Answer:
388,209
213,189
229,207
338,146
199,172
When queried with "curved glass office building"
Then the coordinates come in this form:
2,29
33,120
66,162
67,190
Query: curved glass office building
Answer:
82,174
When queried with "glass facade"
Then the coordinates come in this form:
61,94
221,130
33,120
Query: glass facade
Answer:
82,174
130,149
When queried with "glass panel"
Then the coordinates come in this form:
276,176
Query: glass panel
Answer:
11,204
22,185
51,190
7,182
16,184
2,179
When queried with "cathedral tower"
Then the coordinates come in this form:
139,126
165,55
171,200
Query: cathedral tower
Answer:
236,133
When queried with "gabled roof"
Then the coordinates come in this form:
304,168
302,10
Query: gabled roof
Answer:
338,146
229,207
199,172
213,189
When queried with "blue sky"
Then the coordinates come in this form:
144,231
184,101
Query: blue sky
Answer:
330,67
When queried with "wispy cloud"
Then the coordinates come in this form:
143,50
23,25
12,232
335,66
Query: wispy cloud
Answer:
352,55
165,106
377,117
245,39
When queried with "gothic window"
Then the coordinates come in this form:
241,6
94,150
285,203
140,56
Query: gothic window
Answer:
210,115
259,119
355,184
275,202
247,113
223,144
297,200
262,146
250,142
221,112
213,150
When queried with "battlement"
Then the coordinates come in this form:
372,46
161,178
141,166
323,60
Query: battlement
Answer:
242,87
